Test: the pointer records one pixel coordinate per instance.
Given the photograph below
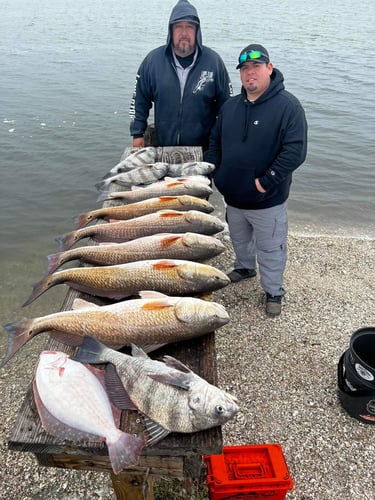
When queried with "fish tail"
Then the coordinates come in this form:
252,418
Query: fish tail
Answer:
65,241
18,334
82,220
91,351
125,451
102,184
54,260
39,288
104,195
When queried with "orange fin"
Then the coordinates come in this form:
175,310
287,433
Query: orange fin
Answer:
164,264
169,240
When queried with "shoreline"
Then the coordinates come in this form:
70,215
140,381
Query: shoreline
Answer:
283,371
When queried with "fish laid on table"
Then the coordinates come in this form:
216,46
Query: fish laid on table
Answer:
146,174
143,156
186,246
190,168
170,276
174,398
163,221
73,404
144,207
167,187
153,320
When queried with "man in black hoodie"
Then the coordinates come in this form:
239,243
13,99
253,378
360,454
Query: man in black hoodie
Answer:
186,81
259,139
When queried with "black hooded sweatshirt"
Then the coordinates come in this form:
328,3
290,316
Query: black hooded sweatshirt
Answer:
266,139
180,120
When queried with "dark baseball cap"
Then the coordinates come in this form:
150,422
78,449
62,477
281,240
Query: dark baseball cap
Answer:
253,52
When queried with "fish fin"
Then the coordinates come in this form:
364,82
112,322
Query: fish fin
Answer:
91,351
169,240
169,213
176,379
18,334
100,186
151,294
116,391
167,198
83,304
156,304
65,241
67,338
55,427
176,364
105,195
39,288
137,352
54,261
124,452
155,432
82,220
151,348
164,264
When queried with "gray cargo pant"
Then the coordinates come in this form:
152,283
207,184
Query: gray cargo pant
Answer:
261,235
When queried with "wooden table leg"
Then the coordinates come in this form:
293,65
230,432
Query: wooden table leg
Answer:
132,486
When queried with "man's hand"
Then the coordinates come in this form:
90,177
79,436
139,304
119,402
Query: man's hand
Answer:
139,142
259,186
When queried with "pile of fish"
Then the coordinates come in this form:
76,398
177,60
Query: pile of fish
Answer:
151,243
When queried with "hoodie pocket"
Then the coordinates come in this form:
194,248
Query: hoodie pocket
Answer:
237,184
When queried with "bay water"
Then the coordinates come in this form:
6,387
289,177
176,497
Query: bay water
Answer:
67,72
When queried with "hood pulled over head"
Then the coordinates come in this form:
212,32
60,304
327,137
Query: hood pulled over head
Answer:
184,11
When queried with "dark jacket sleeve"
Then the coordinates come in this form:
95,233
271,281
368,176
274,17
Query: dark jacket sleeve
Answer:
141,102
213,153
293,150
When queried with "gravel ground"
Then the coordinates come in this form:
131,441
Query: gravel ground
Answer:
283,371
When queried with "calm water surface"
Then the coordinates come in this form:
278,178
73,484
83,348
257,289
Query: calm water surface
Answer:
67,74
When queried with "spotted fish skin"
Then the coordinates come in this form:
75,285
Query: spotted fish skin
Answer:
169,276
163,221
154,319
189,246
145,174
144,207
72,402
167,187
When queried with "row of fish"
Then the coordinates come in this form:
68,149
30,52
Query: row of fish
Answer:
140,168
155,247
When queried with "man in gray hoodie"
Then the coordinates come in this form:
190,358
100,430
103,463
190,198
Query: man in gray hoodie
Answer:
186,82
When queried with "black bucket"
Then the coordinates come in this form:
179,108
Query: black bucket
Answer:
360,360
359,403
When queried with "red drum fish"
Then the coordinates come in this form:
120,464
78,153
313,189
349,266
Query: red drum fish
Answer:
144,207
163,221
187,246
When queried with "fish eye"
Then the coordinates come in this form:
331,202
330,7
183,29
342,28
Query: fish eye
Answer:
219,409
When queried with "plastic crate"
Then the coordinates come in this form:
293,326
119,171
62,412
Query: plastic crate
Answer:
248,472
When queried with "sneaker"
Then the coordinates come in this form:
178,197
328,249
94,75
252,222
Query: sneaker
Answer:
241,274
273,304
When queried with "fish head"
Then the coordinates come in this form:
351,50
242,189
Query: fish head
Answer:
199,241
203,276
206,314
210,406
208,224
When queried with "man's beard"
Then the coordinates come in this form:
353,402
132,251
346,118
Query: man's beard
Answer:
184,47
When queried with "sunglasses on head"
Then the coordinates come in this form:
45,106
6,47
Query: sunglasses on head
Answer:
253,55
